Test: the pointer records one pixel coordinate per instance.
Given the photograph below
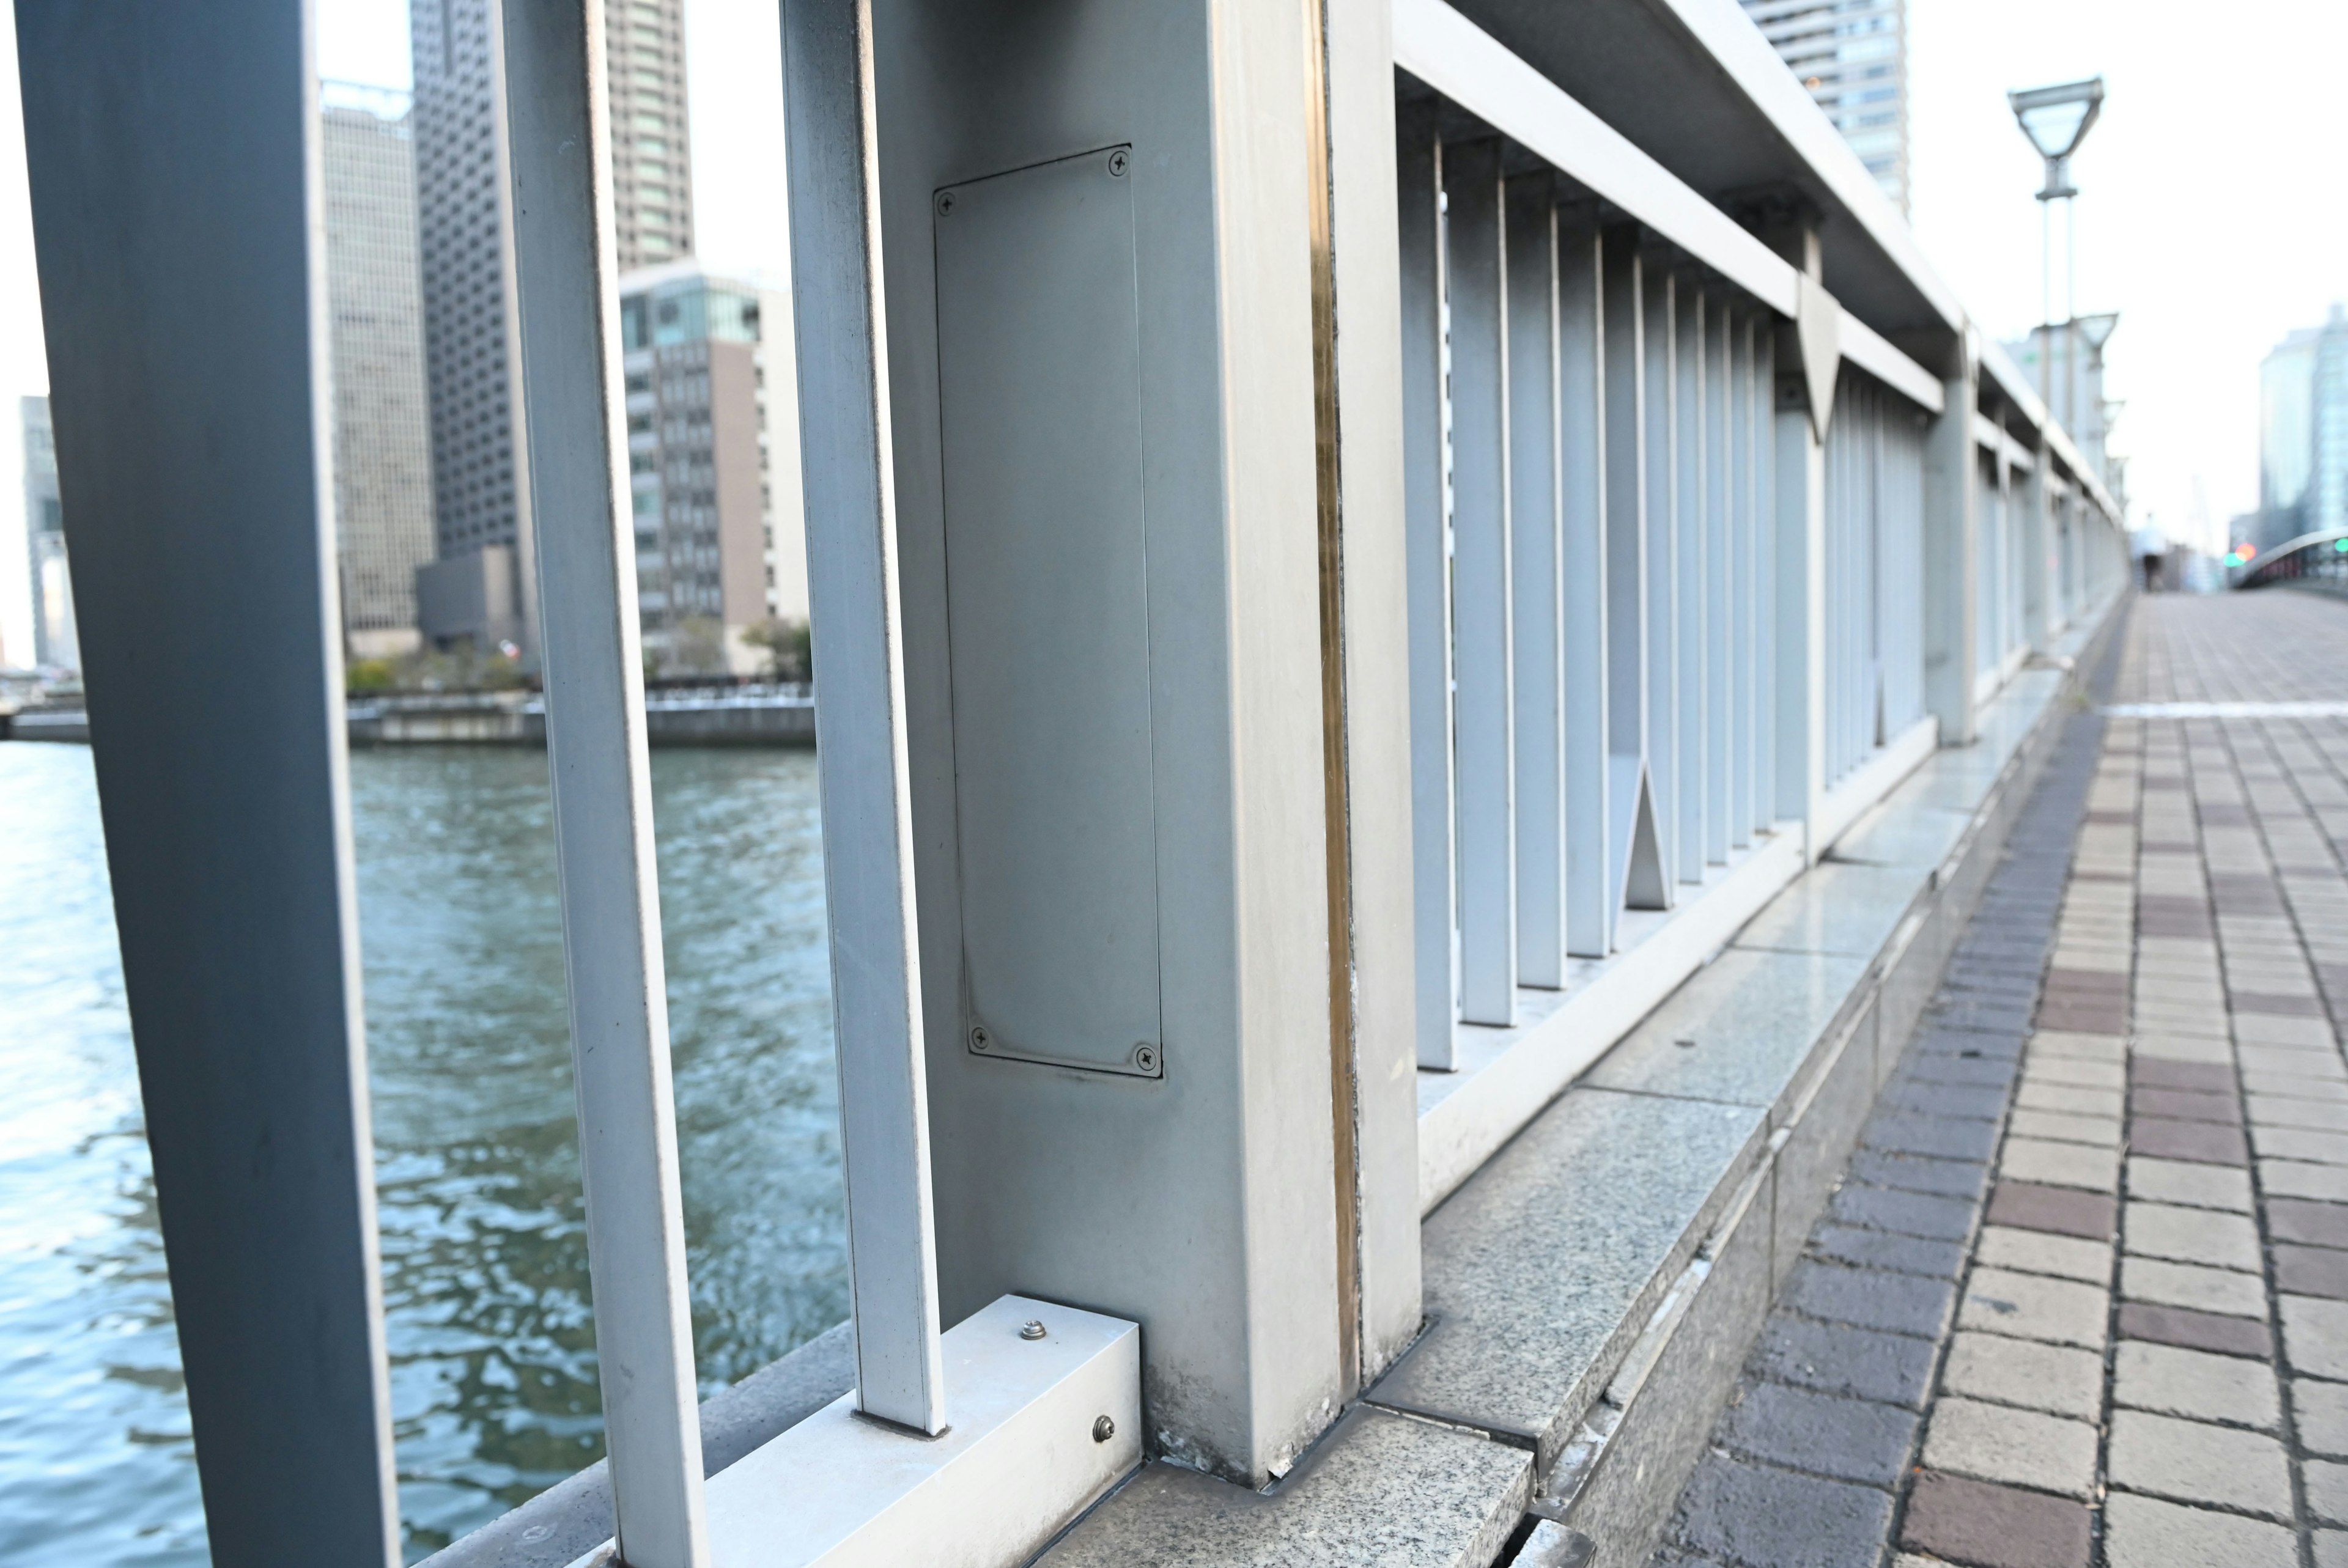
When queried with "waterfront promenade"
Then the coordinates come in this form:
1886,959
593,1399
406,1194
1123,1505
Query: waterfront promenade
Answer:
2082,1296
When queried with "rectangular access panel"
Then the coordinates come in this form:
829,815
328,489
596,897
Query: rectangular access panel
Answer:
1047,596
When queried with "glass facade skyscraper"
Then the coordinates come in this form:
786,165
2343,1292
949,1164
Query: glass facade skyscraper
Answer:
2303,434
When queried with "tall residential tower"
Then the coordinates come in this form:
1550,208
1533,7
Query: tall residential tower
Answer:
483,586
1852,55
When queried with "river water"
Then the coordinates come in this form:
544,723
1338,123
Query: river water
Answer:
485,1265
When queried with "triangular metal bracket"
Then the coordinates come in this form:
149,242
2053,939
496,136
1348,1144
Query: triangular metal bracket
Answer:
1638,845
1817,322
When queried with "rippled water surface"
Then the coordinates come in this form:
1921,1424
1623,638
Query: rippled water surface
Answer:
485,1265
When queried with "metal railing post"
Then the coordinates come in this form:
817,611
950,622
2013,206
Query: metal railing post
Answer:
1803,647
830,119
568,305
1724,570
1418,160
174,161
1369,393
1952,554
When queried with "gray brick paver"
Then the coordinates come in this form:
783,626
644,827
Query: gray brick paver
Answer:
2137,1038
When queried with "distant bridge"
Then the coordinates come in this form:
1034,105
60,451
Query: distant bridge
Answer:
2314,559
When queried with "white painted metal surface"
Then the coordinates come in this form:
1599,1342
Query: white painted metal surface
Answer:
1799,468
1536,483
1369,396
1042,1429
1664,653
1634,873
1427,543
847,447
1484,769
1444,49
1693,568
1592,895
1868,349
567,298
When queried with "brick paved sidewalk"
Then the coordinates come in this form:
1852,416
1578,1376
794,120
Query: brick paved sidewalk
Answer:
2131,1346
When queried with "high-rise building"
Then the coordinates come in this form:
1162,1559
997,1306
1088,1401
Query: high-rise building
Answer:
383,444
479,586
652,171
712,458
482,586
56,641
2303,434
1852,55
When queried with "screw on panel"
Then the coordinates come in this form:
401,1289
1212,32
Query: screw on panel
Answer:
1117,164
979,1038
1031,1329
945,202
1104,1429
1145,1057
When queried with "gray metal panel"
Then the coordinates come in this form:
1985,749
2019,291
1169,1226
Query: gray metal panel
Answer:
1537,581
1047,596
173,160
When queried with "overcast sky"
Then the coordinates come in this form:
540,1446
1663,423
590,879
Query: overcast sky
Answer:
2211,218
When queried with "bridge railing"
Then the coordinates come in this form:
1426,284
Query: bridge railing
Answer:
1334,551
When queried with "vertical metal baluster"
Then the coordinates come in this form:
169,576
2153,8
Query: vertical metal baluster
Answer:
1634,866
1721,710
1419,222
1745,653
1475,247
1662,565
1776,806
567,300
1591,900
831,126
173,161
1537,578
1691,572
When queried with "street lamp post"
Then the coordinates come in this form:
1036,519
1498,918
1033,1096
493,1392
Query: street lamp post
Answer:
2057,120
